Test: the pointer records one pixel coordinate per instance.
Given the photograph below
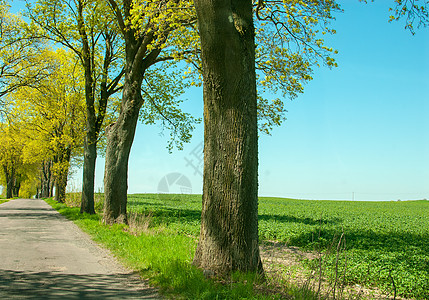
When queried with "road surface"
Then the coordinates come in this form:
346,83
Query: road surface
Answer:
45,256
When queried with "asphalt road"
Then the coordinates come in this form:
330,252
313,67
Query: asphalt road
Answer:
45,256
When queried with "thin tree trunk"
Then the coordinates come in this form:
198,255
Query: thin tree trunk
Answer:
40,189
48,183
61,179
89,160
45,180
44,187
10,176
90,144
229,220
51,188
16,185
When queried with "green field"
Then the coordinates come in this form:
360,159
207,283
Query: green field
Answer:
386,243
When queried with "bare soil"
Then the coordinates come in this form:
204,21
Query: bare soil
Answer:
285,263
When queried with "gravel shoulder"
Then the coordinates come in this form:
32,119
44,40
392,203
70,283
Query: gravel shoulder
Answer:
45,256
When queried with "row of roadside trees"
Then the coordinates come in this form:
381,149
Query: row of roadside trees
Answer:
92,68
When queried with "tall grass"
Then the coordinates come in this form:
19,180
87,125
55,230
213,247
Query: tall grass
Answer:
73,199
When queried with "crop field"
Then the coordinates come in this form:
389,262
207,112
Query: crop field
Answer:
384,245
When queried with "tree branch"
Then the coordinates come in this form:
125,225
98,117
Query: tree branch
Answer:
118,15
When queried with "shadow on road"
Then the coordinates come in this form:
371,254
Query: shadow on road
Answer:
33,215
53,285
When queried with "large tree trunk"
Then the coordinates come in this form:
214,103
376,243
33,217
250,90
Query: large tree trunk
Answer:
229,220
90,156
9,191
60,188
120,137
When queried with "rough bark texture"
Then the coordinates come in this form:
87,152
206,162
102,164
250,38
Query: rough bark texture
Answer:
94,124
229,220
120,137
89,150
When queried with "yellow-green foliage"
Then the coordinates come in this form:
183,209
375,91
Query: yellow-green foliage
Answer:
20,60
48,118
289,43
54,110
12,145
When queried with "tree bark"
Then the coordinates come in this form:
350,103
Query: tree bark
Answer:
10,178
60,188
94,121
229,220
90,144
120,137
61,178
89,159
46,180
51,188
16,185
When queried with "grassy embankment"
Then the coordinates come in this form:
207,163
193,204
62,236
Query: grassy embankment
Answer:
373,244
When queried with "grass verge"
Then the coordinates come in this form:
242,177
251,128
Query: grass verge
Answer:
164,259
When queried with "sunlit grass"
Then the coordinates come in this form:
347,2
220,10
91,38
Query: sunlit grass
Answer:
384,244
380,237
162,257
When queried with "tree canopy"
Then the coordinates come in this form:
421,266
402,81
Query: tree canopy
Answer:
18,44
48,118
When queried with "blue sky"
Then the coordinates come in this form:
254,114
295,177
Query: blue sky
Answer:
359,131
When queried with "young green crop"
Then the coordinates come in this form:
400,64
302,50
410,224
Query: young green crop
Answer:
384,245
387,243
